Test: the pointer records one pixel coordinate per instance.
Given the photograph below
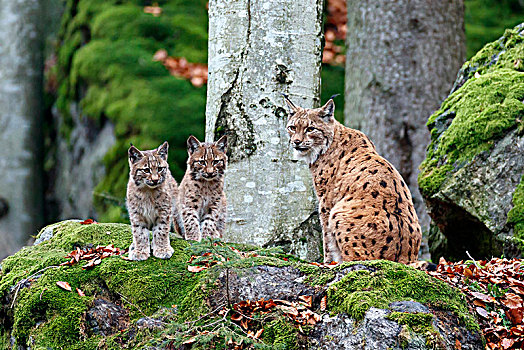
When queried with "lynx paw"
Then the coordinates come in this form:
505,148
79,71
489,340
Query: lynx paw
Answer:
138,255
164,253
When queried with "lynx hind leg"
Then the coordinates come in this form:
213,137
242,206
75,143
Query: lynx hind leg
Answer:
178,222
359,231
140,248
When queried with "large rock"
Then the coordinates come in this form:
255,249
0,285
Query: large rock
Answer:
475,160
159,304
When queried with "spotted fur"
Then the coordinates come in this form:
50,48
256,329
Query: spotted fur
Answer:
151,202
366,209
201,196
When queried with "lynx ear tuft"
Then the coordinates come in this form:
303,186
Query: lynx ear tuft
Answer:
291,106
162,150
222,144
134,154
327,111
192,144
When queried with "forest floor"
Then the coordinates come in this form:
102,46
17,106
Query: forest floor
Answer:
495,291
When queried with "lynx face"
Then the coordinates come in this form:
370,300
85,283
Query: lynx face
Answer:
310,130
207,160
149,168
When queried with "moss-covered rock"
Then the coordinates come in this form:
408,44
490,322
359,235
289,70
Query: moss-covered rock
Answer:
474,162
159,302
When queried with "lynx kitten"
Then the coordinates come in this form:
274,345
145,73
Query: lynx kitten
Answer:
151,202
366,208
202,198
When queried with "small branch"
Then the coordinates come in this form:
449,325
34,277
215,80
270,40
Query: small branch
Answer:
474,261
18,286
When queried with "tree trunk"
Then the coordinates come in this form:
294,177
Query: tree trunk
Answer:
402,59
21,45
258,50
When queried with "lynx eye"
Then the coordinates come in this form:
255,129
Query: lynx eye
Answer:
310,129
161,169
292,128
217,162
202,162
145,170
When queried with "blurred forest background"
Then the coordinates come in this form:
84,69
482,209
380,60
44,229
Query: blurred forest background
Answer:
121,71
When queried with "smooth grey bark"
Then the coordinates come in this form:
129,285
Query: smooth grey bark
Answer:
402,59
258,50
21,46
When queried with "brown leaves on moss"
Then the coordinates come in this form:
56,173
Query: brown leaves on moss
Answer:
179,67
495,290
335,33
93,256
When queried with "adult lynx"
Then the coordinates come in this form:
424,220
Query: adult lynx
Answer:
365,207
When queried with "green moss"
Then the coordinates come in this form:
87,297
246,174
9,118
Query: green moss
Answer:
469,122
154,284
418,322
516,214
484,109
281,334
359,290
51,317
105,62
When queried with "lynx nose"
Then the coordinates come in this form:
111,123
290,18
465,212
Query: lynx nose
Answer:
297,142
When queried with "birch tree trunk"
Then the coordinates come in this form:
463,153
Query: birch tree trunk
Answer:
258,50
402,59
21,47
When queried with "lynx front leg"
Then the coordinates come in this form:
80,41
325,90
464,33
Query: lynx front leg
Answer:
178,221
191,224
161,247
139,249
331,252
212,223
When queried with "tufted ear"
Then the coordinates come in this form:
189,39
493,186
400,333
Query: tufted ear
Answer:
291,106
162,150
192,144
222,144
134,154
327,111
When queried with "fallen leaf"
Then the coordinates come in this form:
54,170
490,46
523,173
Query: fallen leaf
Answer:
191,268
481,311
323,303
458,345
259,333
512,300
64,285
190,341
307,299
80,292
88,222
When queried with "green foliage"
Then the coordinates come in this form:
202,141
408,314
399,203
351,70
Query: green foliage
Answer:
105,63
359,290
333,83
486,20
479,113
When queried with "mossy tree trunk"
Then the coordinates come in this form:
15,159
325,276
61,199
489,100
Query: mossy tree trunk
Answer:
402,59
258,50
21,46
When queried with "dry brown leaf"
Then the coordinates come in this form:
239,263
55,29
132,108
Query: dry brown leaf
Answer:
191,268
80,292
64,285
